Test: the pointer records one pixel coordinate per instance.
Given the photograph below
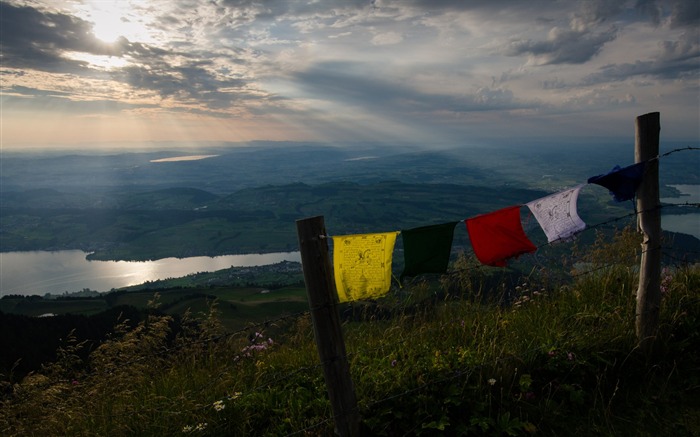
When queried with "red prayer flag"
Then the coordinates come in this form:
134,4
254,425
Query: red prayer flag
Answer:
498,235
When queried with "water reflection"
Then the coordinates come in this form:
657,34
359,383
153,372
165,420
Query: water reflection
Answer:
68,270
684,223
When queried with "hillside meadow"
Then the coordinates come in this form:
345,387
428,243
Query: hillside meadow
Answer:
474,352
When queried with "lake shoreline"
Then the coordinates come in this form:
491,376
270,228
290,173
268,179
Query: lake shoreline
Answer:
59,272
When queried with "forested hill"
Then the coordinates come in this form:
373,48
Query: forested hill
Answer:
187,222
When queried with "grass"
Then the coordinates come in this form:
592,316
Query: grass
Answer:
38,307
558,359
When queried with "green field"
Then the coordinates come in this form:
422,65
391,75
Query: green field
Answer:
236,306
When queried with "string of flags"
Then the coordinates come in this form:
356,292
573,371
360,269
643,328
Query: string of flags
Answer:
362,263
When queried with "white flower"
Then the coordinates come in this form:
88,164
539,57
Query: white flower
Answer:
219,405
492,381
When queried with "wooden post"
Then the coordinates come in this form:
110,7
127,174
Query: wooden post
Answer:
647,129
320,288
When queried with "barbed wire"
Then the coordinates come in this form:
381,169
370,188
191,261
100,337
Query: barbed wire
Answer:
679,150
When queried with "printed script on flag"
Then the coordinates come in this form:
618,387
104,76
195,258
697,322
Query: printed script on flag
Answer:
362,265
557,214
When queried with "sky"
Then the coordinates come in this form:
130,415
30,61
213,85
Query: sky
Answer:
85,73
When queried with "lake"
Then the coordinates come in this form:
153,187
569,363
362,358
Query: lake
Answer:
41,272
685,223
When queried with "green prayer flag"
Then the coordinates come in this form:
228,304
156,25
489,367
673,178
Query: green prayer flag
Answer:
427,249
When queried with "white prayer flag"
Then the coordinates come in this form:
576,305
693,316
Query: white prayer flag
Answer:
557,214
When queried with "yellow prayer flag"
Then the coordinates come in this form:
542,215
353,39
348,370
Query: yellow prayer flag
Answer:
362,265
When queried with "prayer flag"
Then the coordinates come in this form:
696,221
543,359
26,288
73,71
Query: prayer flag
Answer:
427,249
557,214
622,182
362,265
498,236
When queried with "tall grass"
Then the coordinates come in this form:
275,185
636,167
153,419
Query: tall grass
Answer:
471,355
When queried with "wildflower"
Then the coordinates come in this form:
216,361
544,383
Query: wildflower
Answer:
665,280
219,405
74,382
201,426
393,363
551,353
187,428
235,395
492,382
570,356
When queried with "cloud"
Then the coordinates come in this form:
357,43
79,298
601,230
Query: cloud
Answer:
597,100
349,85
583,38
387,38
39,39
674,60
595,12
23,98
563,46
684,13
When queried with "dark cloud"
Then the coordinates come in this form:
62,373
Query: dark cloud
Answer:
677,13
34,92
659,70
37,39
22,97
584,39
595,12
649,9
684,13
475,5
193,82
676,59
563,46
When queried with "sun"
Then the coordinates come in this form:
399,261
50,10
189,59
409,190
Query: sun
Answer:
112,19
107,26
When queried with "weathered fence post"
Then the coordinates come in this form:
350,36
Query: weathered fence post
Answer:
647,129
320,287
